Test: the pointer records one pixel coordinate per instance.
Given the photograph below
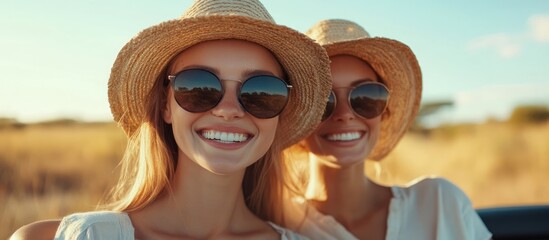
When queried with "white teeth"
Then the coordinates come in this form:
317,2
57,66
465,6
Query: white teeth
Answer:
343,136
225,137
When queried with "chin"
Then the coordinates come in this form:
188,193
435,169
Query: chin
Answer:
354,155
344,161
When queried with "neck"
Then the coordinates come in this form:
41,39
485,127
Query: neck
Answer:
201,204
343,193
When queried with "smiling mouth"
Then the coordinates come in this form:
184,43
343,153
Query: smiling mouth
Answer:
224,137
344,137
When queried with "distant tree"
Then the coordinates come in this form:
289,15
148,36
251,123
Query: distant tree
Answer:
10,123
528,114
428,109
58,122
7,121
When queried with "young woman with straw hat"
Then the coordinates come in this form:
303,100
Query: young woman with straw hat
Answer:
208,102
376,95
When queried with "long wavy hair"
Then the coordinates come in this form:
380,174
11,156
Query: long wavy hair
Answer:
150,159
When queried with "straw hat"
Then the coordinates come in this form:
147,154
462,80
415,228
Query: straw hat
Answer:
145,57
393,61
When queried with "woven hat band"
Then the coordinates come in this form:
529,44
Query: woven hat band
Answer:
336,30
246,8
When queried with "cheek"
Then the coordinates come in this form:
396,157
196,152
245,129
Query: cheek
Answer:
268,128
181,120
375,128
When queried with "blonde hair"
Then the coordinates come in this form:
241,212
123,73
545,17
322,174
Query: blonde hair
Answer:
150,160
297,163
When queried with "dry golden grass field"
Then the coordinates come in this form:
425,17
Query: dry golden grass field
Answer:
50,170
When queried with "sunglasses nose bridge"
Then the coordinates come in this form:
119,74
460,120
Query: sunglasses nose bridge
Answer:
229,107
342,109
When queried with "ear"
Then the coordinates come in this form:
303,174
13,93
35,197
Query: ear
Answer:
167,110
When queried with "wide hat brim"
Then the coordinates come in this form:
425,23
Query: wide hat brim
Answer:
397,66
142,60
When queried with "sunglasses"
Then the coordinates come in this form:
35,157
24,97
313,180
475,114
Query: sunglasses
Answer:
367,100
199,90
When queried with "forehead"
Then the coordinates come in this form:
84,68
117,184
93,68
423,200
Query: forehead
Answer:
226,56
349,70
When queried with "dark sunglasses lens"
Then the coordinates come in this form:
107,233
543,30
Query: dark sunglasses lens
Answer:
197,90
264,96
369,100
330,106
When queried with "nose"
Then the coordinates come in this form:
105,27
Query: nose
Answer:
229,108
343,111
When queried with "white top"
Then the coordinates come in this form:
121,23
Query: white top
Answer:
431,208
117,225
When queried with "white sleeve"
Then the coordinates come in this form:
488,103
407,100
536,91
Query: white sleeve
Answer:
457,215
95,225
475,225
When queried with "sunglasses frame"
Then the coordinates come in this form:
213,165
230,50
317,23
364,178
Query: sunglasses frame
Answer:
352,88
172,78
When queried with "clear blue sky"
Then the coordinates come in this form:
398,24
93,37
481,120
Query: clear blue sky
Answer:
487,56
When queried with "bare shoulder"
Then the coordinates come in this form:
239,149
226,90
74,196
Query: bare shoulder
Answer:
37,230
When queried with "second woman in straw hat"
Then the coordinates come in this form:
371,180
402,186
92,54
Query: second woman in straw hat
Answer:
208,102
376,94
